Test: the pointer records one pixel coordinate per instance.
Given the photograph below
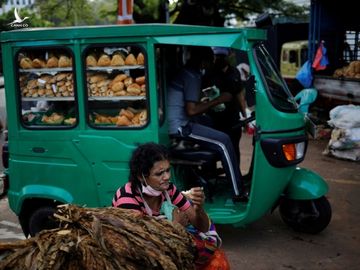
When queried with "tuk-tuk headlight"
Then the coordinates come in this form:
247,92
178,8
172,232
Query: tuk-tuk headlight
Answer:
282,152
294,151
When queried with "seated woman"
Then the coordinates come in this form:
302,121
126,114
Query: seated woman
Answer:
150,192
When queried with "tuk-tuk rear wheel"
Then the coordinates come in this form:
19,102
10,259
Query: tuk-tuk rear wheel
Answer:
308,216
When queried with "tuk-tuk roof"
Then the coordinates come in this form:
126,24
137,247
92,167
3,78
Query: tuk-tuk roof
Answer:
134,30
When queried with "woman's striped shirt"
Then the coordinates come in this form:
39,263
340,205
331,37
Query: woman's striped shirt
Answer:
129,198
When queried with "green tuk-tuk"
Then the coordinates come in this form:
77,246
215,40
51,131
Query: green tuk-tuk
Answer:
80,99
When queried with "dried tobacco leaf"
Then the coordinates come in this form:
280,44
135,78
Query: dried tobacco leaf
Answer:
102,238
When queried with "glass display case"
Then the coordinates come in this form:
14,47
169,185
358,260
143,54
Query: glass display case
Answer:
116,86
47,88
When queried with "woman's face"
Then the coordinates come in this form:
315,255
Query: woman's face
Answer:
159,176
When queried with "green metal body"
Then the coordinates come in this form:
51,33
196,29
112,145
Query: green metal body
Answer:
85,166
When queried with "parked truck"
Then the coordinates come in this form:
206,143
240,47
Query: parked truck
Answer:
293,55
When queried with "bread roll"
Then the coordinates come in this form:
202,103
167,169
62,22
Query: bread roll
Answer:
117,86
136,119
46,78
26,63
131,109
143,117
102,119
140,59
97,78
128,81
104,60
120,93
32,84
134,89
357,67
120,77
140,80
109,93
127,113
41,92
70,121
64,61
117,60
60,83
103,83
54,118
52,62
113,119
61,76
123,121
91,61
38,63
49,93
130,60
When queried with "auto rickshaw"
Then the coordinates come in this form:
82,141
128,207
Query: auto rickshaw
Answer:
80,99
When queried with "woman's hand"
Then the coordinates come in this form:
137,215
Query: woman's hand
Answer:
196,213
196,195
180,217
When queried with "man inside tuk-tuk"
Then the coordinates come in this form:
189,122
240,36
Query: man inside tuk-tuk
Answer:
227,79
184,109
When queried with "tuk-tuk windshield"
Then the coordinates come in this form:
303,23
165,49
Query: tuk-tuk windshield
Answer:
277,89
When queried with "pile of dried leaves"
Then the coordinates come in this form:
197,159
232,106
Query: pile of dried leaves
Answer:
102,238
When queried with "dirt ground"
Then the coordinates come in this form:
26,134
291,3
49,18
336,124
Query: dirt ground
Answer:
270,244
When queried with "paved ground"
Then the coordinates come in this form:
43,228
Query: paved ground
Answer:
268,244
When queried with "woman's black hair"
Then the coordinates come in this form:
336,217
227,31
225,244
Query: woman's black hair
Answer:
143,159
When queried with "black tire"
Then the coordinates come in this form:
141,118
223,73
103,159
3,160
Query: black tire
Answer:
307,216
42,219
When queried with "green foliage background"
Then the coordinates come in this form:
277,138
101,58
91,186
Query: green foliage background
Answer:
48,13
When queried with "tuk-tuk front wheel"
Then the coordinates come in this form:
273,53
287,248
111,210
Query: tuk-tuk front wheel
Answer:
308,216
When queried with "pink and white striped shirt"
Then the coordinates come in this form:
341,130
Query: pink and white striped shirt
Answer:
129,197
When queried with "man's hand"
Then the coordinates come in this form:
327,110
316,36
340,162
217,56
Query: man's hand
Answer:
224,97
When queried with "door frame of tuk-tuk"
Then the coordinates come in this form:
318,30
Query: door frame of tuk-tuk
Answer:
226,211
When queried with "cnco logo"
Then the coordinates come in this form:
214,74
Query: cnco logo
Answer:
19,25
18,22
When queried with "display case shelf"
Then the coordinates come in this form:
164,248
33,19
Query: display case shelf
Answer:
46,70
48,98
117,98
111,68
